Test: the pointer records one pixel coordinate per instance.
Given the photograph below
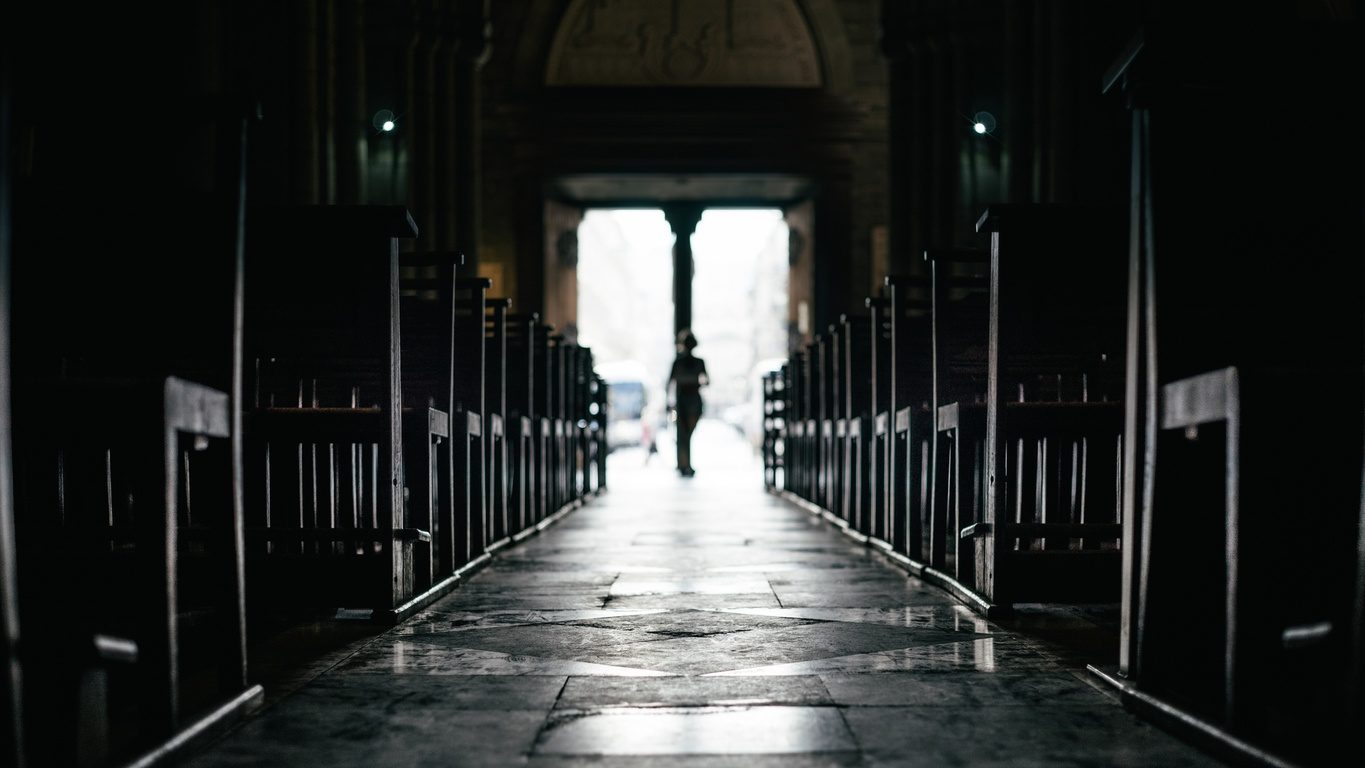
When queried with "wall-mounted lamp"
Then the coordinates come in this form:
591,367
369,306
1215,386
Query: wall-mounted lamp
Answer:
384,120
983,123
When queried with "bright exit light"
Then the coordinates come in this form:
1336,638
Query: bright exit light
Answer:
388,125
979,127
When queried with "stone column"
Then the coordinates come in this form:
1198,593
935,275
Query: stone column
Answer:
473,49
682,219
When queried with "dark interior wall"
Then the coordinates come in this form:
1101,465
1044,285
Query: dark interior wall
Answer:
835,135
1035,67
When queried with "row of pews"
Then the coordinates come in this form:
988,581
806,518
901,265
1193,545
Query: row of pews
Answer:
1159,407
308,424
1001,363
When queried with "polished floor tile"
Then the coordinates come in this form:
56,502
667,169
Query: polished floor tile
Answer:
703,624
638,692
699,731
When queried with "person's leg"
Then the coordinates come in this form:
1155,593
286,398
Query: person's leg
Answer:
686,424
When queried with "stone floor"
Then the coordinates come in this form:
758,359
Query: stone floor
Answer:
698,622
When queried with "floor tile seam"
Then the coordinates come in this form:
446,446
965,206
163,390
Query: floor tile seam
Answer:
843,718
545,721
987,707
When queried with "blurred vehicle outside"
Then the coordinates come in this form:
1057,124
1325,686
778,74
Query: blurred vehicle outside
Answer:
633,404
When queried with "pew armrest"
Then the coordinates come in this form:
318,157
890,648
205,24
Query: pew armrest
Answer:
1046,530
118,650
473,424
438,423
903,420
340,425
337,534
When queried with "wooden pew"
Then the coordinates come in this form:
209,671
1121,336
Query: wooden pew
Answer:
571,458
824,371
1244,596
959,337
837,420
879,398
1047,528
909,418
794,422
589,418
427,309
522,422
599,410
544,409
498,502
120,548
806,398
582,423
775,444
141,508
469,404
327,521
556,482
11,673
856,390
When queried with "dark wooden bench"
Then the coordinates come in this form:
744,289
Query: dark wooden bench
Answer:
1046,527
328,526
879,397
120,549
138,550
427,308
468,405
826,378
598,409
856,407
775,448
806,400
908,415
1243,467
545,455
497,494
960,326
581,421
522,423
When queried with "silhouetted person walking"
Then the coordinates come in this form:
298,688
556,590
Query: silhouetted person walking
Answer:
688,377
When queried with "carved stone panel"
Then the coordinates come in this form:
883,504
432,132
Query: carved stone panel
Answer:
763,43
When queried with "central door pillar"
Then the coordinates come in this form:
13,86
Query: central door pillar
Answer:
682,219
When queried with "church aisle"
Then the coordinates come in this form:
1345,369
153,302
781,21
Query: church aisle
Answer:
698,622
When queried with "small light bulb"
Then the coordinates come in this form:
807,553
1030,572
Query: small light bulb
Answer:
979,127
388,125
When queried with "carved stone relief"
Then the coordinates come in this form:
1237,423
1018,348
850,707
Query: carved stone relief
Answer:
764,43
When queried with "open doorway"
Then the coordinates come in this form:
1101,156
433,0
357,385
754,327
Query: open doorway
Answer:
740,310
740,317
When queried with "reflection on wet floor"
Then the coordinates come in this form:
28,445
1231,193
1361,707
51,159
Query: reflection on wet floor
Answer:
702,622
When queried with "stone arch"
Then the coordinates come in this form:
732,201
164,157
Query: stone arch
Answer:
737,43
